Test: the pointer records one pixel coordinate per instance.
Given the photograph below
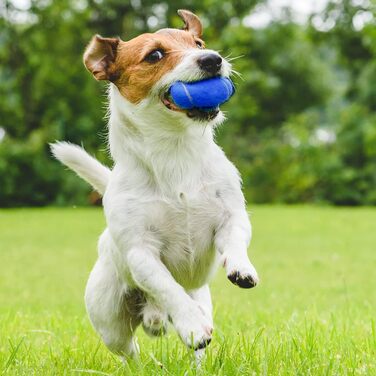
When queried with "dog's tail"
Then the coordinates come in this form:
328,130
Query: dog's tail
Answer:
83,164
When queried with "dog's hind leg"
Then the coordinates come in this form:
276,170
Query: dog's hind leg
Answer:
113,308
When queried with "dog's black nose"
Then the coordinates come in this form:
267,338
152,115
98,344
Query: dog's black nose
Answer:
210,63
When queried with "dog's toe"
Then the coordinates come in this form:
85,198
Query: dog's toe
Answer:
243,281
155,331
154,321
203,344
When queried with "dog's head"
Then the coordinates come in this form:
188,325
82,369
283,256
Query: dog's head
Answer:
144,68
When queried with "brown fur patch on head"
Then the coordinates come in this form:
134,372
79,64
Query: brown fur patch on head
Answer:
124,64
138,76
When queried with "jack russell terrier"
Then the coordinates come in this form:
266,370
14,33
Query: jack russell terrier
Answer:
173,201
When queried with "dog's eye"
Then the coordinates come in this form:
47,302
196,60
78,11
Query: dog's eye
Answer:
154,56
199,44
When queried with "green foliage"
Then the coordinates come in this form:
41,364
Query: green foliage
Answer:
295,81
282,74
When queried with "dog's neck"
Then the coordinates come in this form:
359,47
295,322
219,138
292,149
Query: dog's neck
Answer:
175,152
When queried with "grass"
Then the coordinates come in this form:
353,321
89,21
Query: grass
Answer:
313,313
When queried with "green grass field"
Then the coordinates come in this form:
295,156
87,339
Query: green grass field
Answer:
312,314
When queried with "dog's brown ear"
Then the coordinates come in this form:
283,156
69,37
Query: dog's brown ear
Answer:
99,57
192,22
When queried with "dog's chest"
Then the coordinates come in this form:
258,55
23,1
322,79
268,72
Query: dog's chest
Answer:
186,226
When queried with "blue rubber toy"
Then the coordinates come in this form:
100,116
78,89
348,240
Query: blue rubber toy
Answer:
206,94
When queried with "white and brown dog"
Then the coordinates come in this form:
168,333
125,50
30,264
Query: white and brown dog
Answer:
173,201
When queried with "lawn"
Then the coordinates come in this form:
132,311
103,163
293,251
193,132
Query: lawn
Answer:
312,314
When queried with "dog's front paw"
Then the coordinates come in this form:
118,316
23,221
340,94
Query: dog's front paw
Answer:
245,281
193,327
242,274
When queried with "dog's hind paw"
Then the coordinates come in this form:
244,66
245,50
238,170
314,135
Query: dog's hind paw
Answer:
154,321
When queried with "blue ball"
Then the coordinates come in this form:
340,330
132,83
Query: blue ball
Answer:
206,94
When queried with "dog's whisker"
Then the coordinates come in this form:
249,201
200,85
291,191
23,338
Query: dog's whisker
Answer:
235,58
237,74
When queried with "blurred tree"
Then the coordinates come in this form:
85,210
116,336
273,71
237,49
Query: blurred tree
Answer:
46,93
296,81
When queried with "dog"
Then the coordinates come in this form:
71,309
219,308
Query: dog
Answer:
173,202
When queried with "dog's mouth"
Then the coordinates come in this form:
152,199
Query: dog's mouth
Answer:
194,113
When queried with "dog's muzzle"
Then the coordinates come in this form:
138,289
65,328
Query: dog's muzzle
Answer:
194,113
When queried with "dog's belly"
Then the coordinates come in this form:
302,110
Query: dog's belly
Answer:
186,229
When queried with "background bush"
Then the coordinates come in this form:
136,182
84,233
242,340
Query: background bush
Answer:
300,129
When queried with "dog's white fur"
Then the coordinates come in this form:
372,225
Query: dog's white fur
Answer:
174,210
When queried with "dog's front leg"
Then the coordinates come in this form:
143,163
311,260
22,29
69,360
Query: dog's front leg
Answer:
152,276
232,240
